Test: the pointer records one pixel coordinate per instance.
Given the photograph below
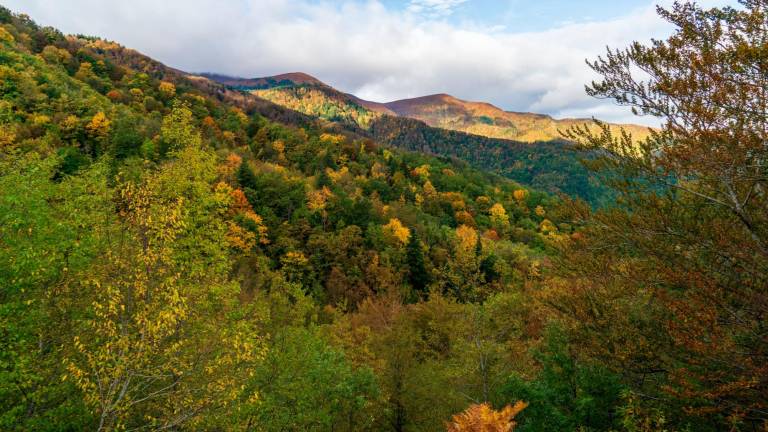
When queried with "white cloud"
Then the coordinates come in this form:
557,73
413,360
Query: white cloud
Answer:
365,48
434,8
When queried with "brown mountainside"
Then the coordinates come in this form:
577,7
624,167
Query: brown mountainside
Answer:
306,94
481,118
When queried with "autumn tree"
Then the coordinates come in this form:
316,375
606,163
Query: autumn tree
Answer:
98,130
499,217
684,256
483,418
463,277
167,89
154,350
396,232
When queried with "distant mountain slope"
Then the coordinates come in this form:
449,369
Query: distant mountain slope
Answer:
553,166
288,79
306,94
480,118
320,101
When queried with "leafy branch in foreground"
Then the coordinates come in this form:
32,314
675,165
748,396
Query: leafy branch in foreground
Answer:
682,264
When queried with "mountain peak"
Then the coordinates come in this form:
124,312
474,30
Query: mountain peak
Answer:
439,110
295,77
286,79
437,97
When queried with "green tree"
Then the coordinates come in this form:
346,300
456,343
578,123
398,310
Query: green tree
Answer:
52,232
245,176
418,276
306,385
566,395
178,130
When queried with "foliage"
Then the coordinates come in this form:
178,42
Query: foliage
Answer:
681,264
304,385
483,418
179,255
170,247
566,395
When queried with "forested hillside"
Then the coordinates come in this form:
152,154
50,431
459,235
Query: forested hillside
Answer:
309,95
553,166
178,255
481,118
172,257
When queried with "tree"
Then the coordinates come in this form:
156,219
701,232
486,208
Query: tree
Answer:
566,395
167,89
688,245
179,130
398,233
98,130
245,176
85,73
164,343
417,271
482,418
126,137
499,217
53,232
304,384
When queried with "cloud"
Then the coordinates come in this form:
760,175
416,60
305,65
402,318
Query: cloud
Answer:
434,8
364,47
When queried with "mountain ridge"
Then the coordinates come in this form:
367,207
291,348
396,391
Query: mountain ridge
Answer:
263,82
305,93
550,165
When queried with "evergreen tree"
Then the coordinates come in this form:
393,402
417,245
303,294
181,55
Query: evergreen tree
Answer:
417,274
246,177
323,180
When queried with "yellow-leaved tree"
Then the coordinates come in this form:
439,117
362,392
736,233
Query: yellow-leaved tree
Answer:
499,217
167,89
520,195
163,345
397,232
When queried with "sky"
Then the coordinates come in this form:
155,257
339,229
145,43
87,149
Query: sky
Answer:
520,55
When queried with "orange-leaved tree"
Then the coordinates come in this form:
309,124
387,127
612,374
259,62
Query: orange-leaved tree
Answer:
483,418
670,286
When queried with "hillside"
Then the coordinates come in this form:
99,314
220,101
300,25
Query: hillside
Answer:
220,259
288,79
177,254
480,118
552,166
309,95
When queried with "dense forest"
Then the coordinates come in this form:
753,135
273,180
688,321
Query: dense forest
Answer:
177,255
552,166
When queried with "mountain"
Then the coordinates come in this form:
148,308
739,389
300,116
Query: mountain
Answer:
309,95
288,79
553,165
178,254
481,118
317,100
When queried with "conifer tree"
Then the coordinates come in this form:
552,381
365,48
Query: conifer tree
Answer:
417,271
